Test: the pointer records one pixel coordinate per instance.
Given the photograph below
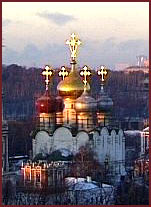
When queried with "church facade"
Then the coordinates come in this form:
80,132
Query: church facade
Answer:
108,145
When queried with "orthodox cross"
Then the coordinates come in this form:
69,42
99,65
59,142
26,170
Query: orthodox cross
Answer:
73,44
85,72
63,72
103,72
47,72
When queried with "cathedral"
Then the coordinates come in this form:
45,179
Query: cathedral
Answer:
74,118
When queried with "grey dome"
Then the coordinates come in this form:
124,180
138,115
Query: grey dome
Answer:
85,103
104,102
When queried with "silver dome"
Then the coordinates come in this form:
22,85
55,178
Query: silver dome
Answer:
104,102
85,103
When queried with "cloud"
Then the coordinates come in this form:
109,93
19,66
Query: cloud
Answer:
32,55
125,51
133,44
57,18
109,53
6,22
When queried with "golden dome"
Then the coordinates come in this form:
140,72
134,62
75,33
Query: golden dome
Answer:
72,85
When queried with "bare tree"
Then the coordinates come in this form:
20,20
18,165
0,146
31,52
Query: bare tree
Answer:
8,191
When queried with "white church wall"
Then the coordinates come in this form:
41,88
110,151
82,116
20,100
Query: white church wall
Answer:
122,138
62,138
111,146
99,148
108,151
42,143
105,136
112,152
105,145
81,139
95,136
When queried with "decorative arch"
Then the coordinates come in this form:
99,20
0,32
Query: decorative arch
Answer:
121,133
81,139
62,138
104,131
42,142
113,133
96,137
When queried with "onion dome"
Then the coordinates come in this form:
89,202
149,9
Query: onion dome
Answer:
85,103
46,103
71,86
104,102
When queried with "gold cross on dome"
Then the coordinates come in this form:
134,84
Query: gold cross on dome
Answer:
73,44
63,72
85,72
47,72
103,72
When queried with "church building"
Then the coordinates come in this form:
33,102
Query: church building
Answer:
74,118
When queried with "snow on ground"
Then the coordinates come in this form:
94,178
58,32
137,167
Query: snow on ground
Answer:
146,129
83,186
65,152
132,132
80,184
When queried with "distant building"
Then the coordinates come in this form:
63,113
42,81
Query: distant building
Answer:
141,168
146,63
137,148
121,66
133,146
44,175
137,69
141,65
141,60
146,84
132,123
5,164
145,141
91,193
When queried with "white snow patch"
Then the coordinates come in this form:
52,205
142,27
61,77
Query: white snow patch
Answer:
132,132
65,152
146,129
80,183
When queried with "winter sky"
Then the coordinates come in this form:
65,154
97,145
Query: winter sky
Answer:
34,33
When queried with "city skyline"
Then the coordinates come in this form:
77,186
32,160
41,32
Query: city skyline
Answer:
107,36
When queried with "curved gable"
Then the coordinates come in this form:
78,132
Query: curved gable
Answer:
41,136
104,131
43,142
120,133
82,138
113,133
62,138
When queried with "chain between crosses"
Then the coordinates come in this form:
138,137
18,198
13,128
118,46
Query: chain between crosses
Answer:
103,72
47,72
85,73
63,72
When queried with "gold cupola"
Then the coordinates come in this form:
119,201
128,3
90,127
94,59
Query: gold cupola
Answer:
72,85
